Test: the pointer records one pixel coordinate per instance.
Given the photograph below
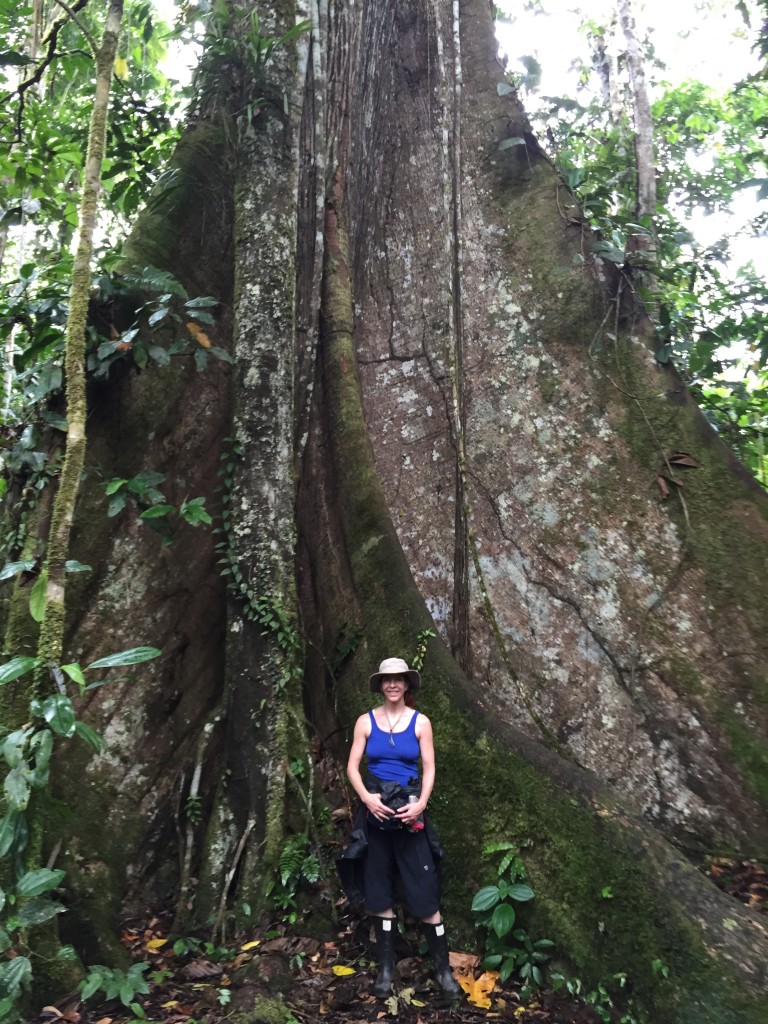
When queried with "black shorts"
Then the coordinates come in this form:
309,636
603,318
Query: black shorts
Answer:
408,855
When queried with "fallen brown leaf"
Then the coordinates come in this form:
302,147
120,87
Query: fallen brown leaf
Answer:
197,970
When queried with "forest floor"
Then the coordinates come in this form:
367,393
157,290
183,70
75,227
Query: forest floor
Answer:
281,977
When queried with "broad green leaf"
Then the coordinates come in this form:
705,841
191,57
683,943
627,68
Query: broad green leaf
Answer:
85,732
37,597
16,667
59,713
114,485
35,883
72,565
486,898
521,892
5,944
8,831
42,747
75,673
13,746
116,504
15,973
158,315
39,911
16,787
221,354
133,656
503,919
14,568
202,302
157,511
92,984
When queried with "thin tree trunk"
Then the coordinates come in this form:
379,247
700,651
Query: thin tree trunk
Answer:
644,133
52,628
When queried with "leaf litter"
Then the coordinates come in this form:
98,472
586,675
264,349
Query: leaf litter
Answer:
331,981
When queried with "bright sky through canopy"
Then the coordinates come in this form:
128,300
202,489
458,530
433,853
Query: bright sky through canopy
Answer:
695,40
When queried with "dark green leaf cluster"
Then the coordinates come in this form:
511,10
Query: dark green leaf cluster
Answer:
509,950
232,80
141,491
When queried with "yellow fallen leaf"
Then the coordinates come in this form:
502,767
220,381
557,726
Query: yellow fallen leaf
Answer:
417,1002
169,1005
479,989
199,335
251,945
121,68
342,972
154,944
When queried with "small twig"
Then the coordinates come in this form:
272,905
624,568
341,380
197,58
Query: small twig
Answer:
218,927
72,12
50,42
54,855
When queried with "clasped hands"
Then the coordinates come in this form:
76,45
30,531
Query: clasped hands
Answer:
407,814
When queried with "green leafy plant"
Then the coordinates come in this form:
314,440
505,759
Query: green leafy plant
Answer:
190,944
422,639
597,996
117,984
142,492
298,865
509,950
232,80
27,752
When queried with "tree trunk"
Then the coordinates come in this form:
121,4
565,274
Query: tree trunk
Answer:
478,446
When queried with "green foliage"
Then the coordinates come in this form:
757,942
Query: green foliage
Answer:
232,78
422,639
194,946
509,950
27,753
598,997
142,492
167,305
298,866
711,316
344,646
117,984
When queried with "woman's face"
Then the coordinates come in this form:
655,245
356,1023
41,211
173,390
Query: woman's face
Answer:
393,687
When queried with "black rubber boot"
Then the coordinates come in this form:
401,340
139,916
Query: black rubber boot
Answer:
438,949
385,955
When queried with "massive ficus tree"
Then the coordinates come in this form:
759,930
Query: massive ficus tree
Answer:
443,411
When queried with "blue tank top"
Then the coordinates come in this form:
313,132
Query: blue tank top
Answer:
397,763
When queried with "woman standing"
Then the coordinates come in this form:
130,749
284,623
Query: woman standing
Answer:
393,737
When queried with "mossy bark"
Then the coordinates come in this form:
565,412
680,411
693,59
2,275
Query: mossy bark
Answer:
459,381
51,640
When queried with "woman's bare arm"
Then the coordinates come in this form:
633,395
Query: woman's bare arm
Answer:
371,800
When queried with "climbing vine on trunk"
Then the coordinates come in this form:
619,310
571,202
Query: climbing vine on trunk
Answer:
52,622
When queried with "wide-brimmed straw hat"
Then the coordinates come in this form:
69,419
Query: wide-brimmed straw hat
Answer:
394,667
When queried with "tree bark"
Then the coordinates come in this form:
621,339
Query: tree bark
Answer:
644,146
477,446
51,640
